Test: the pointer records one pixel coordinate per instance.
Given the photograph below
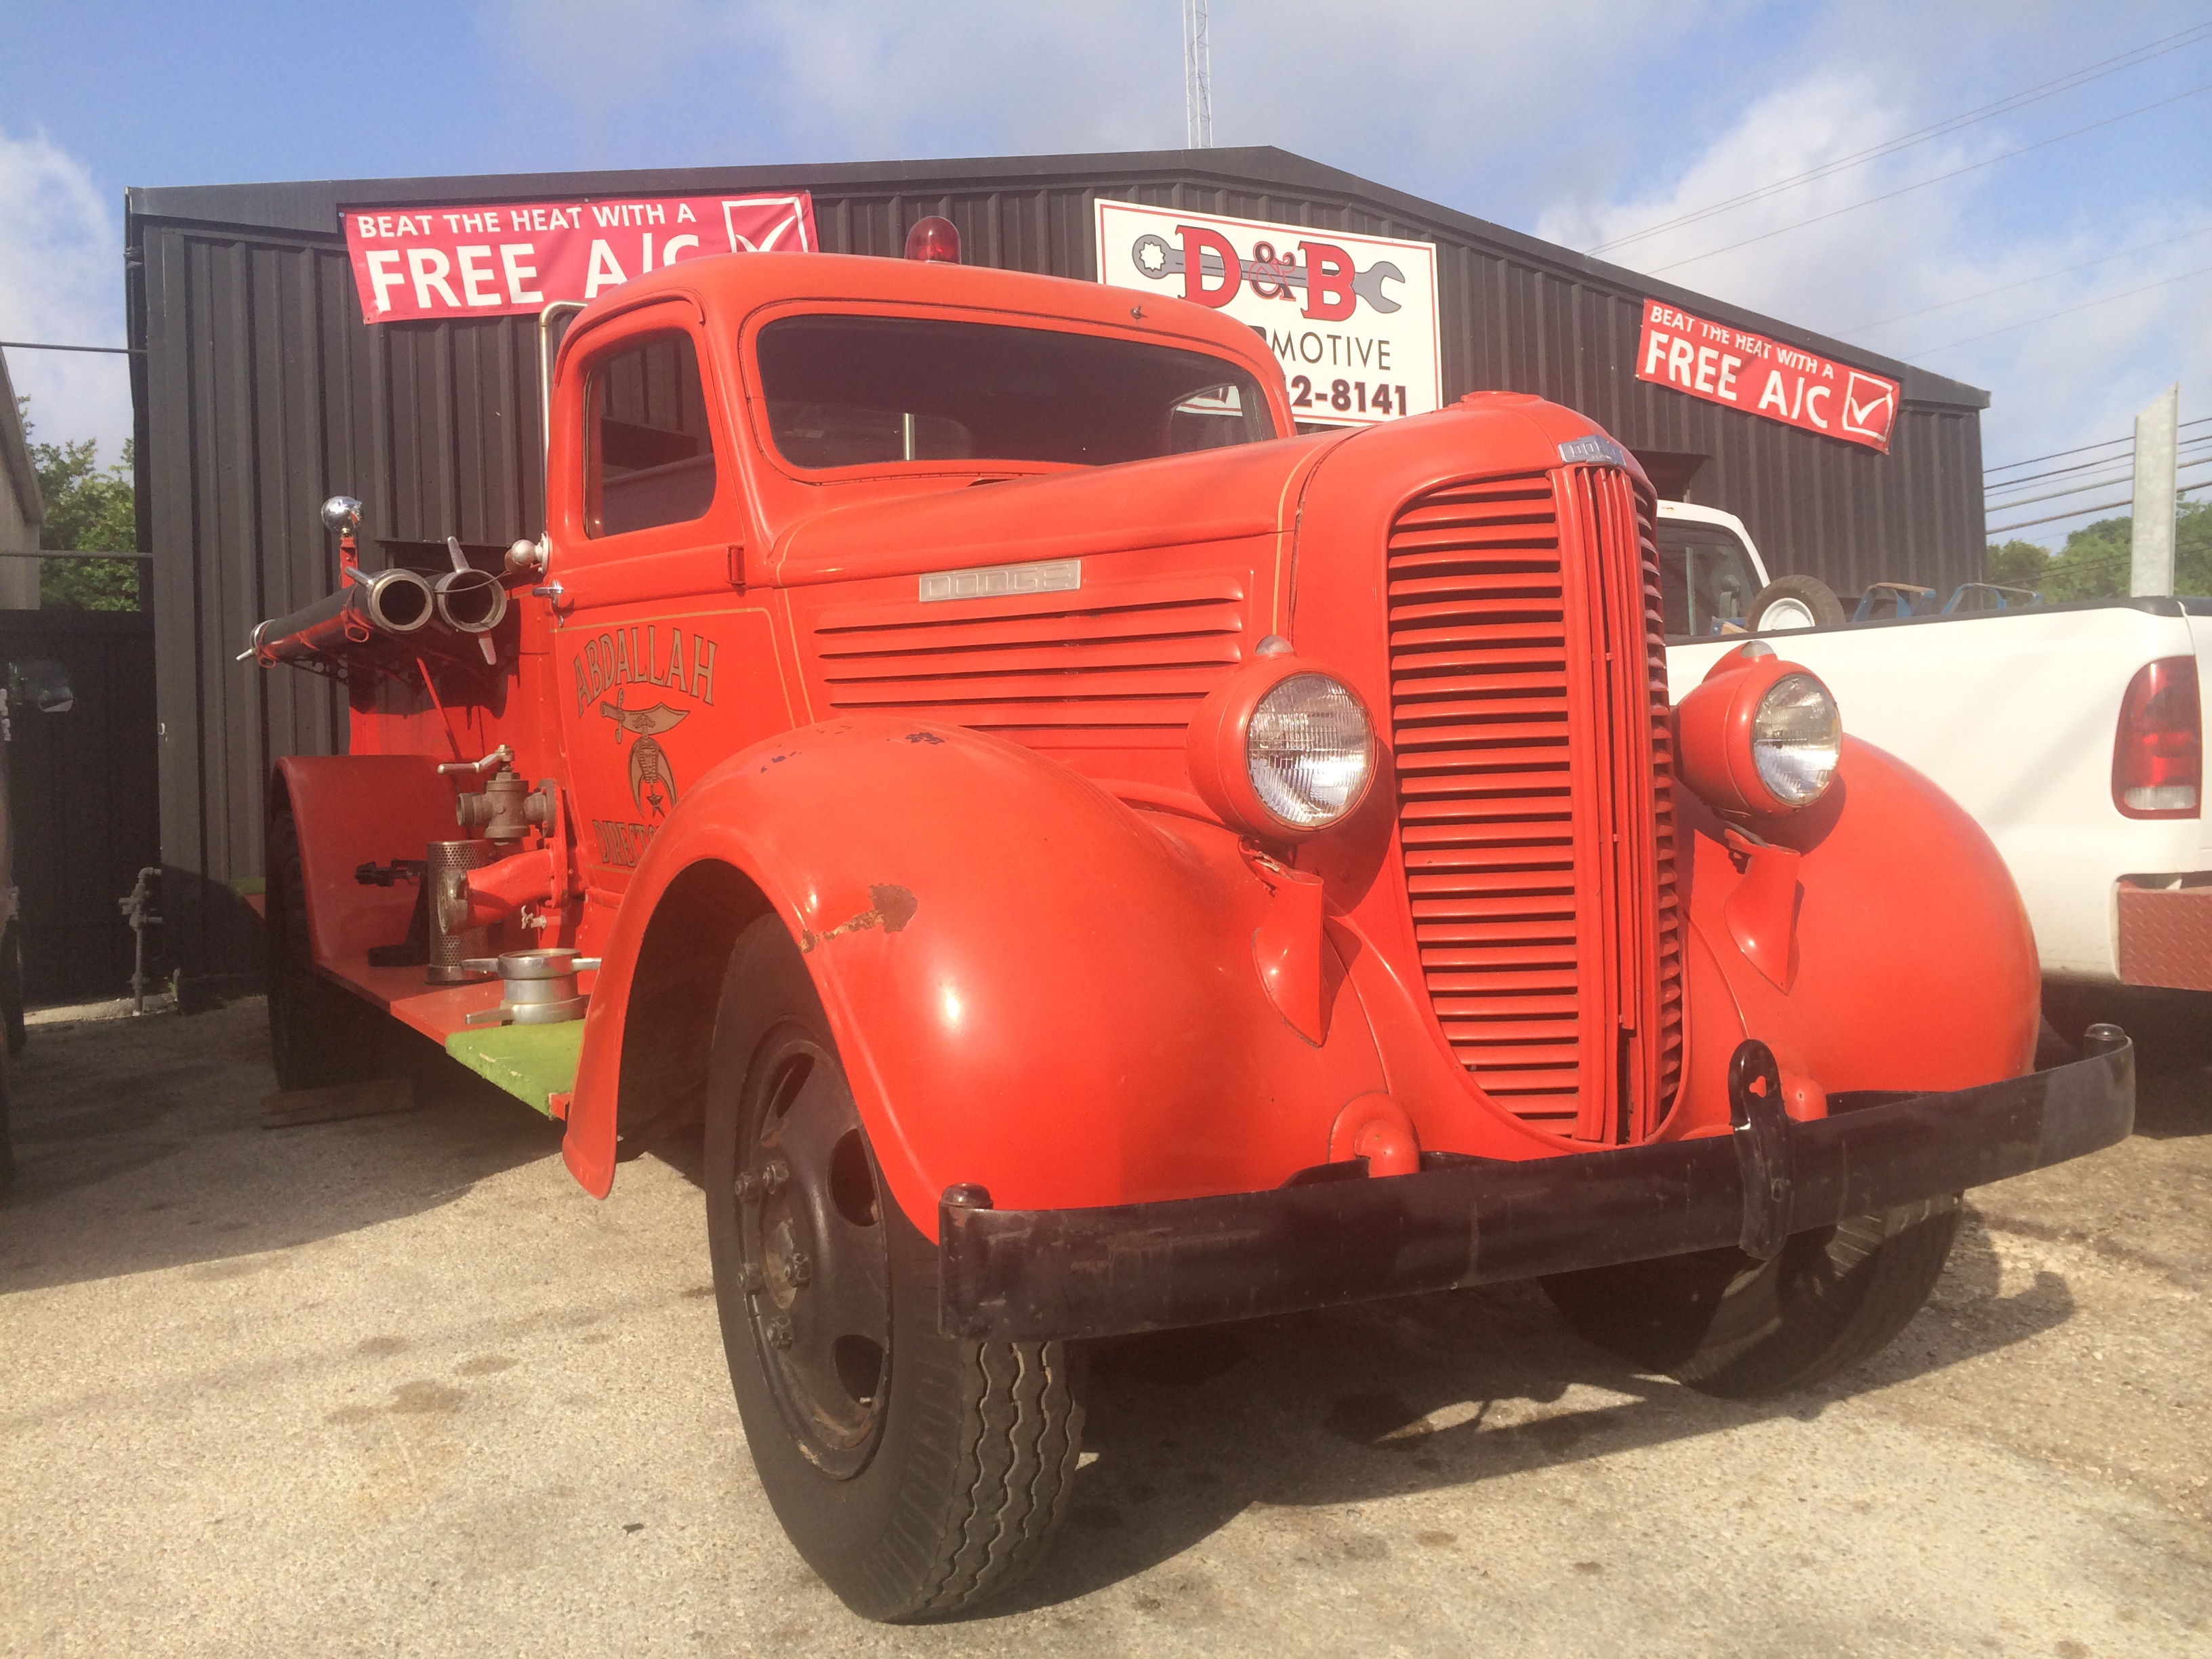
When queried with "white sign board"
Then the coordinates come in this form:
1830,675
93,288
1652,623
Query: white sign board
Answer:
1352,319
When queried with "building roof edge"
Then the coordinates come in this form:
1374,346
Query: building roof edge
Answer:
311,207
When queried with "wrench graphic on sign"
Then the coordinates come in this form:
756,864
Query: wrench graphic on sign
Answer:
1160,261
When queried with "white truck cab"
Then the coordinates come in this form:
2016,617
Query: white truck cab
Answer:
1713,576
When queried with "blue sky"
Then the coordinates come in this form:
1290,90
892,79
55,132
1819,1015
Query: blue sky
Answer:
1580,120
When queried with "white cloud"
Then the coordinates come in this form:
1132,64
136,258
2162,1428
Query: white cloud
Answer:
1415,92
1830,272
838,80
61,281
2071,380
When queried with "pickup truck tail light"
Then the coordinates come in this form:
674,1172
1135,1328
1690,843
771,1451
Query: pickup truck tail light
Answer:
2157,758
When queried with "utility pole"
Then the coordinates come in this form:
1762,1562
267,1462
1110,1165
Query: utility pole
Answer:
1197,77
2157,434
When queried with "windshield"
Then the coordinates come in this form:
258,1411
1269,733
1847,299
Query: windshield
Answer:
1706,577
845,390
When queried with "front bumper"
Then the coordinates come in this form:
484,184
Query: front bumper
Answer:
1031,1275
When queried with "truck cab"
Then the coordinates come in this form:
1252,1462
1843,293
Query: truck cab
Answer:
1096,860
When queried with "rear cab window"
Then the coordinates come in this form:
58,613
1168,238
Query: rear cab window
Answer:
844,390
1706,577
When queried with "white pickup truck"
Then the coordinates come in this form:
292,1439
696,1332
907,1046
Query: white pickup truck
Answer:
2072,732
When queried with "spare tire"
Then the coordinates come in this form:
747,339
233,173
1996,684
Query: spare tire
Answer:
1795,602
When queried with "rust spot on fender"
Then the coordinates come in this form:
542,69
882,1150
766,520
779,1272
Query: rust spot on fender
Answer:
896,905
893,906
923,737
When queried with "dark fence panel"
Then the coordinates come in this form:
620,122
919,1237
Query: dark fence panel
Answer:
80,787
262,393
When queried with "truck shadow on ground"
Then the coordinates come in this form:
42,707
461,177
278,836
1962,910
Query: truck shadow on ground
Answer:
2173,1104
1325,1411
139,1146
1187,1430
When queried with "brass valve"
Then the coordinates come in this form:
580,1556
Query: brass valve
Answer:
507,807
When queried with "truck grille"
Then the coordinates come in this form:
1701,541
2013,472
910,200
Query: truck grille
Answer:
1528,713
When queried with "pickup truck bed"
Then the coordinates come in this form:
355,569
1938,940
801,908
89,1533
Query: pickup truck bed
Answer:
2015,714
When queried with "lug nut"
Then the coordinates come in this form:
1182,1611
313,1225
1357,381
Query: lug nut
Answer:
797,1269
779,1331
774,1176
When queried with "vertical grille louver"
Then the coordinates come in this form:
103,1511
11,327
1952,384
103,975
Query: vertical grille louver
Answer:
1527,685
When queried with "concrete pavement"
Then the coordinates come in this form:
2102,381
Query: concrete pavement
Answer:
394,1385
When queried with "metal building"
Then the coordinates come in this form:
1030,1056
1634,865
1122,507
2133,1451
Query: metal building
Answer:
260,391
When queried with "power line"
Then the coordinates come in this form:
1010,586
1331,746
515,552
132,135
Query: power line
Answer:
2087,305
1956,173
2083,490
2122,463
2101,462
2025,281
2105,443
2095,71
2096,560
42,345
2055,518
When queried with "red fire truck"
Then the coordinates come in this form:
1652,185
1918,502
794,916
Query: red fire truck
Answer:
1099,861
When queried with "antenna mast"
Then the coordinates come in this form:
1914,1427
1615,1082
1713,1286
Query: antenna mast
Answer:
1197,76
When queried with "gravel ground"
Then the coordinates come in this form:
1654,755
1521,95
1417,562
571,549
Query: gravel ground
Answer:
394,1385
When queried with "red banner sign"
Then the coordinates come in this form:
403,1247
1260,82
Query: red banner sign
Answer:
515,258
1724,365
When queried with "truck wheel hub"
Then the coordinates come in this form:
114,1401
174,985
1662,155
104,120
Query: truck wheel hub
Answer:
816,1261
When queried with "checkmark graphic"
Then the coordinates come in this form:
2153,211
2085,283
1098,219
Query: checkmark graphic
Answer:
1869,405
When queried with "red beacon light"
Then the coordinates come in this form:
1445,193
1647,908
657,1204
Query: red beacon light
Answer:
933,238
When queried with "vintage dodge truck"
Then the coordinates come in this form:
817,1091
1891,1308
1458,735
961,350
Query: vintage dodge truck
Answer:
1098,861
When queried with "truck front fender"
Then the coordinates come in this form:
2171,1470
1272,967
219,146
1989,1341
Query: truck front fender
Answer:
1912,966
352,809
1033,986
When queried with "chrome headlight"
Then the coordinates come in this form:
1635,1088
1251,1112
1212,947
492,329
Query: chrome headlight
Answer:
1309,751
1796,736
1758,737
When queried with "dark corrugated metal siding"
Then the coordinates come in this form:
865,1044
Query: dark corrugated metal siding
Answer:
262,393
83,820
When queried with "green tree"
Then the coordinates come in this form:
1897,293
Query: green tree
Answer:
2017,564
2093,564
91,508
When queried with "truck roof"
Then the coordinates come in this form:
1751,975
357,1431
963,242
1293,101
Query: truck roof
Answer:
732,285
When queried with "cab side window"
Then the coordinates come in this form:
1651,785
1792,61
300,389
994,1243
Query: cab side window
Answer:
648,458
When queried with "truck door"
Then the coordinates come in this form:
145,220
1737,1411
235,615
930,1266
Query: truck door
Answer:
664,665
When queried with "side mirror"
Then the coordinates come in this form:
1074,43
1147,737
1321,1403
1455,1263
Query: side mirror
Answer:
40,685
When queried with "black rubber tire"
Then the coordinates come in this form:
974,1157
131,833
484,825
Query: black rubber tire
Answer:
1816,595
319,1034
951,1490
1727,1325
